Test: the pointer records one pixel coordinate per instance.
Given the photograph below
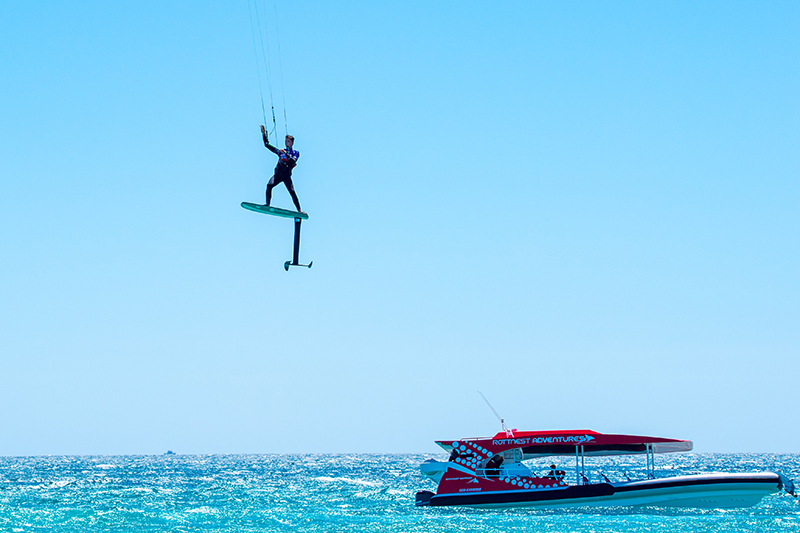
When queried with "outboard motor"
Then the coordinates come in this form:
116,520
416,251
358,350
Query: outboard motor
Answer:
423,498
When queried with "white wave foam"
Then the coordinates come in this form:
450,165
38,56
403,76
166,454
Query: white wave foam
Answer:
361,482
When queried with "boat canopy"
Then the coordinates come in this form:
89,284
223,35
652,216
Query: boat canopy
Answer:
565,442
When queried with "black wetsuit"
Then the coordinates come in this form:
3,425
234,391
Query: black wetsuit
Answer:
287,160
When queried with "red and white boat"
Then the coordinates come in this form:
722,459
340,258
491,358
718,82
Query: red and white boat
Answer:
489,472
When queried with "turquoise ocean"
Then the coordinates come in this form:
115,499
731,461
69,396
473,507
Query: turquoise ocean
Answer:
349,492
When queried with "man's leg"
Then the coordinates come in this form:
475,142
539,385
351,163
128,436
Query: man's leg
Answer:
290,186
270,185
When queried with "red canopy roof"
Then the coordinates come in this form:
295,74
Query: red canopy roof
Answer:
564,442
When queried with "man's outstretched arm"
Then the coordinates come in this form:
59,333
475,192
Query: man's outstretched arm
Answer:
269,147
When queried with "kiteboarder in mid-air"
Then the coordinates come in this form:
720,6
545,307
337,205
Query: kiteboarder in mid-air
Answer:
287,160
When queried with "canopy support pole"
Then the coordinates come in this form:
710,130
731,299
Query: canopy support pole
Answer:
651,461
583,463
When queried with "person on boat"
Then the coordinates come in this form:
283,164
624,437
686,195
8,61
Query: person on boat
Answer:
287,160
555,474
493,466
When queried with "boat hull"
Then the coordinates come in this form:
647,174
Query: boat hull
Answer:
707,491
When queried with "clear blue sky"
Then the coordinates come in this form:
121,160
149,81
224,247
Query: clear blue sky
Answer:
588,211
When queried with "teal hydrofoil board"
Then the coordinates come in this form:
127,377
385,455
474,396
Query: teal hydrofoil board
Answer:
277,211
298,219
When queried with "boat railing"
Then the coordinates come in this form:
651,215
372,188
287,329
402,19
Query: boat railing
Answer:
488,472
497,473
588,476
584,473
614,475
581,472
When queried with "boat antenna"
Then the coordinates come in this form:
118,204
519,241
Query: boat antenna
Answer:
509,433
